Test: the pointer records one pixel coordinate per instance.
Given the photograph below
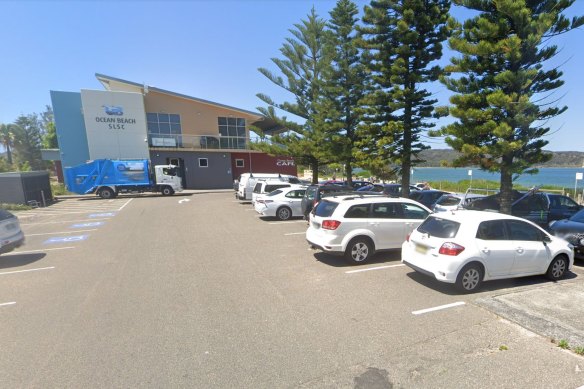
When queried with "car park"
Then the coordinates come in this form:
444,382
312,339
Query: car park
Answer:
452,201
538,207
284,203
357,226
386,189
466,248
427,197
572,230
11,236
315,192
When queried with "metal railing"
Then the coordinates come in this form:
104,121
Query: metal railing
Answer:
205,142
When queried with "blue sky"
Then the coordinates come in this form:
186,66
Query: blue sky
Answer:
206,49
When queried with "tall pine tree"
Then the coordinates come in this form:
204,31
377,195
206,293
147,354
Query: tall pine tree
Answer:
501,85
302,66
405,37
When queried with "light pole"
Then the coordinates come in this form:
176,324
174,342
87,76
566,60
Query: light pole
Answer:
470,174
578,177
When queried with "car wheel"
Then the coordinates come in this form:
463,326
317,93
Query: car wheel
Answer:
558,268
284,213
106,193
167,191
359,250
470,278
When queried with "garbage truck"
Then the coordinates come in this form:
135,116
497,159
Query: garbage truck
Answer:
108,177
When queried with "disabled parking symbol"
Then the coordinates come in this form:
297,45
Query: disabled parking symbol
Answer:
85,225
65,239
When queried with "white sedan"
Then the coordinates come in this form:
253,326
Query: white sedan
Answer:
282,203
468,247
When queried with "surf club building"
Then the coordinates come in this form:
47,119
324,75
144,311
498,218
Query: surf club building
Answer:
210,142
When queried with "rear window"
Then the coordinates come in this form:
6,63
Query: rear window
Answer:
310,192
257,188
275,192
271,188
5,215
438,227
448,201
325,208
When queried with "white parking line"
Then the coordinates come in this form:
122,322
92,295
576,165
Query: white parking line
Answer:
456,304
295,233
36,251
373,268
27,270
64,232
11,303
64,221
127,202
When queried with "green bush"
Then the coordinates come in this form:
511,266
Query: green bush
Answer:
59,189
14,207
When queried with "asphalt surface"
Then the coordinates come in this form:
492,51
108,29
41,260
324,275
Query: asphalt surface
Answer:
196,290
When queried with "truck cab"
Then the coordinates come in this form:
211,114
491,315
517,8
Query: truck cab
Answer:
167,179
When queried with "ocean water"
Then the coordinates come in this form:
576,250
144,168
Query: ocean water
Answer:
561,177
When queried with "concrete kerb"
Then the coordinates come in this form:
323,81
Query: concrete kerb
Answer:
554,311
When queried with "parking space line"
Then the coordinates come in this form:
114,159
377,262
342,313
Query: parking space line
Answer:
27,270
127,202
373,268
438,308
63,232
295,233
65,221
36,251
10,303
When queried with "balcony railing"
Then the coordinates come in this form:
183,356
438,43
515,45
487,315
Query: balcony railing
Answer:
205,142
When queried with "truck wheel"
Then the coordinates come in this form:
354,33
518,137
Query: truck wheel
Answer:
167,191
106,193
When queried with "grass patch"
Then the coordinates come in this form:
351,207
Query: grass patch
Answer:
59,189
579,350
14,207
563,343
503,348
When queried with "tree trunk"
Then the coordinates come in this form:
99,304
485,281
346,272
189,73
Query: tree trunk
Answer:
349,172
506,188
314,167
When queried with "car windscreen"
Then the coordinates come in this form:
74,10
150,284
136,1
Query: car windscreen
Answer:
325,208
438,227
577,217
5,215
448,201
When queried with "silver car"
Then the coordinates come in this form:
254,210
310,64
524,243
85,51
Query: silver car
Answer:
284,203
11,235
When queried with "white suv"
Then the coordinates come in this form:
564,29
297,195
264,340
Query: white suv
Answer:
359,225
468,247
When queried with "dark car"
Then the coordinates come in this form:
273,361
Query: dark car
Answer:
427,197
357,184
572,230
538,207
315,192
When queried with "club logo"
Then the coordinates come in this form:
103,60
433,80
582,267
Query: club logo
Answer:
113,110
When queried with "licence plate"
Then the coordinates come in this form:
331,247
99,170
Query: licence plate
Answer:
421,249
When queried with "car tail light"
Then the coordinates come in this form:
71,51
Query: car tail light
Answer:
330,224
450,248
268,201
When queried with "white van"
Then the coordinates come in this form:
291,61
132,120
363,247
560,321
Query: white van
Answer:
247,181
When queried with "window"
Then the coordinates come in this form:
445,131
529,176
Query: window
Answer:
412,211
232,131
325,208
491,230
387,211
519,230
564,202
271,188
203,162
358,211
239,163
163,123
295,194
440,228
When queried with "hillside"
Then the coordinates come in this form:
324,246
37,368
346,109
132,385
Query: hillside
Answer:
435,157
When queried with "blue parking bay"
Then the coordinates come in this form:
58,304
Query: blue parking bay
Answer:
106,214
65,239
86,225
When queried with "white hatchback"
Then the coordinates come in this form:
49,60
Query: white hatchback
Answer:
468,247
283,203
359,225
11,235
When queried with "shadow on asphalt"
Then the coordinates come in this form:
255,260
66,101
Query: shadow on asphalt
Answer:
392,256
275,219
15,260
488,286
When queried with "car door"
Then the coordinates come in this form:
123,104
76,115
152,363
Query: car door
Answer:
495,248
531,254
413,216
294,200
387,225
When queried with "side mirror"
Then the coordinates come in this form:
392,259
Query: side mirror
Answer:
546,239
